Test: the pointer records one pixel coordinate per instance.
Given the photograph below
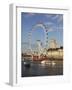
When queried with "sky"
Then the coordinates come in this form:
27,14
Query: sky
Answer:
53,22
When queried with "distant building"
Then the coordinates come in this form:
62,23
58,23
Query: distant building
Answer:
56,53
53,44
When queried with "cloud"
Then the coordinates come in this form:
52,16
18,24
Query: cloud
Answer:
58,17
55,17
28,14
52,27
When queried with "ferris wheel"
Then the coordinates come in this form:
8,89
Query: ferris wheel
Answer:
46,30
40,24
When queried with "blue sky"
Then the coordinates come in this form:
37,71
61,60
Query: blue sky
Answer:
54,22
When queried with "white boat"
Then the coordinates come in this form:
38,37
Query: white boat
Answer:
47,62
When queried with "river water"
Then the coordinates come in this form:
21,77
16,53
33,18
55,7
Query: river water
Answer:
36,68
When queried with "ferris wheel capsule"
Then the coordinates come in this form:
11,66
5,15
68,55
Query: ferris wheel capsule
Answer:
47,38
46,30
46,33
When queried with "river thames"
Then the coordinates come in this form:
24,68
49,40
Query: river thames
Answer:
36,68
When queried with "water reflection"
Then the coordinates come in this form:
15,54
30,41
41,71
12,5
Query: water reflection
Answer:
43,68
45,62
